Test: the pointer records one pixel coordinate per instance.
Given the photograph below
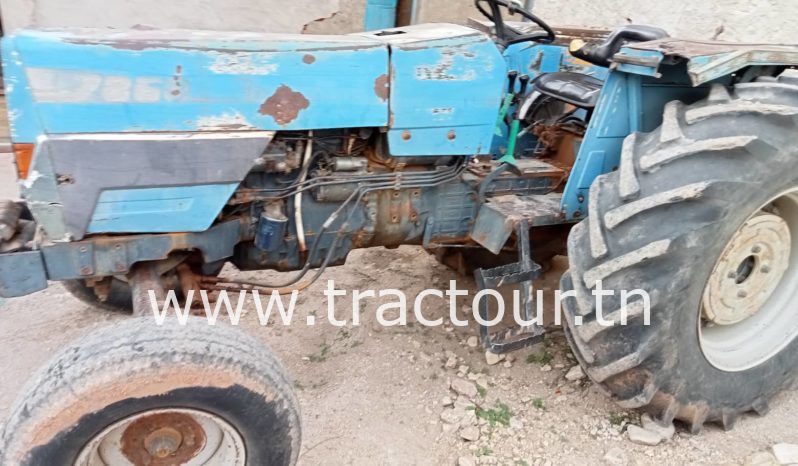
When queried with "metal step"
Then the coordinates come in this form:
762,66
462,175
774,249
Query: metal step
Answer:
499,216
520,273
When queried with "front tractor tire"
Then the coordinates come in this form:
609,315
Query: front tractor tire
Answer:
703,216
143,394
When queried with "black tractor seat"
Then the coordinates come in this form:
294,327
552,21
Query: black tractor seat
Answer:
574,88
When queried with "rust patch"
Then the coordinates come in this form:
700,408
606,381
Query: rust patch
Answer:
163,439
381,87
284,105
308,59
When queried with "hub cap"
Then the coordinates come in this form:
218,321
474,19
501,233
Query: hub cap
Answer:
166,437
746,313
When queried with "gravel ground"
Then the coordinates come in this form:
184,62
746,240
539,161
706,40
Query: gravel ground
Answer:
373,395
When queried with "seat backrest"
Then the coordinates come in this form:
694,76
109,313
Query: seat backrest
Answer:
601,53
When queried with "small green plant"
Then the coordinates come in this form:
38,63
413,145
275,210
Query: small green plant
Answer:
521,463
539,403
482,391
619,418
544,357
500,414
484,451
321,354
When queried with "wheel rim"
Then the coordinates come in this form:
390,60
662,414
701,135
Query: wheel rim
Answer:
746,316
166,437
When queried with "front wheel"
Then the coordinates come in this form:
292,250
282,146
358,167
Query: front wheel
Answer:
142,394
703,216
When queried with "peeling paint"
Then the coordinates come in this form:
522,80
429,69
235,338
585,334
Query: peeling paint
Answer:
28,182
62,86
116,89
147,89
452,66
242,63
225,121
284,105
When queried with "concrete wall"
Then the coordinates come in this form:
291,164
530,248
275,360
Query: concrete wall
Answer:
734,20
321,16
737,20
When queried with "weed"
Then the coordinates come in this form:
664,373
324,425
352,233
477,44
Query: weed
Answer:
619,418
539,403
542,358
321,354
498,415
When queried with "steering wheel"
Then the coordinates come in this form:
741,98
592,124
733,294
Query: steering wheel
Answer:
494,15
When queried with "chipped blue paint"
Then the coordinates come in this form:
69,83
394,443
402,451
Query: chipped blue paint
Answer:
446,85
628,103
136,81
159,210
642,62
22,121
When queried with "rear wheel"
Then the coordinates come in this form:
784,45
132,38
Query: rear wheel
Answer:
137,393
703,216
115,295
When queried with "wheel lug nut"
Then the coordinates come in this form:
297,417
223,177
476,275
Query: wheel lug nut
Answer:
742,294
732,275
756,249
765,269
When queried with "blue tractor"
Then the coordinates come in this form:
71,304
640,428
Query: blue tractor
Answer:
148,159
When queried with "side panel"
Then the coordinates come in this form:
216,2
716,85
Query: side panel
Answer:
445,93
137,183
159,210
628,103
90,82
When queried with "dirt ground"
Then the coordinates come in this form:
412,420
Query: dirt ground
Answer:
373,395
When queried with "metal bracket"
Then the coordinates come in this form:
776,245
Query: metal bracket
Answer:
522,273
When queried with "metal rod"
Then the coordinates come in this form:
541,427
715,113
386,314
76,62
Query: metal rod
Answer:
300,227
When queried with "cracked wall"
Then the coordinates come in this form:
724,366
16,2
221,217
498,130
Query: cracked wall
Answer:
321,16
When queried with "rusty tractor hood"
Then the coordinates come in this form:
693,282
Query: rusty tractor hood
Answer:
67,81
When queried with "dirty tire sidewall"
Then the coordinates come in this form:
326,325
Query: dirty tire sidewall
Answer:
136,366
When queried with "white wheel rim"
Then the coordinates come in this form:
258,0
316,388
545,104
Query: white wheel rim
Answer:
747,311
166,437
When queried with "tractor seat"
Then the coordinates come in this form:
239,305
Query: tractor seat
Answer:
575,88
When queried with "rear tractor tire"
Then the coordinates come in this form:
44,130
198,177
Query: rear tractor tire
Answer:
703,216
143,394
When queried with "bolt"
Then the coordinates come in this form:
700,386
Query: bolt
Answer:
406,135
451,135
732,275
765,269
756,249
742,294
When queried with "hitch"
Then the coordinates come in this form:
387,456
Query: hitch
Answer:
521,273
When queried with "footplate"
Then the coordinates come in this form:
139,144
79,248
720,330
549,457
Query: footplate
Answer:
521,273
